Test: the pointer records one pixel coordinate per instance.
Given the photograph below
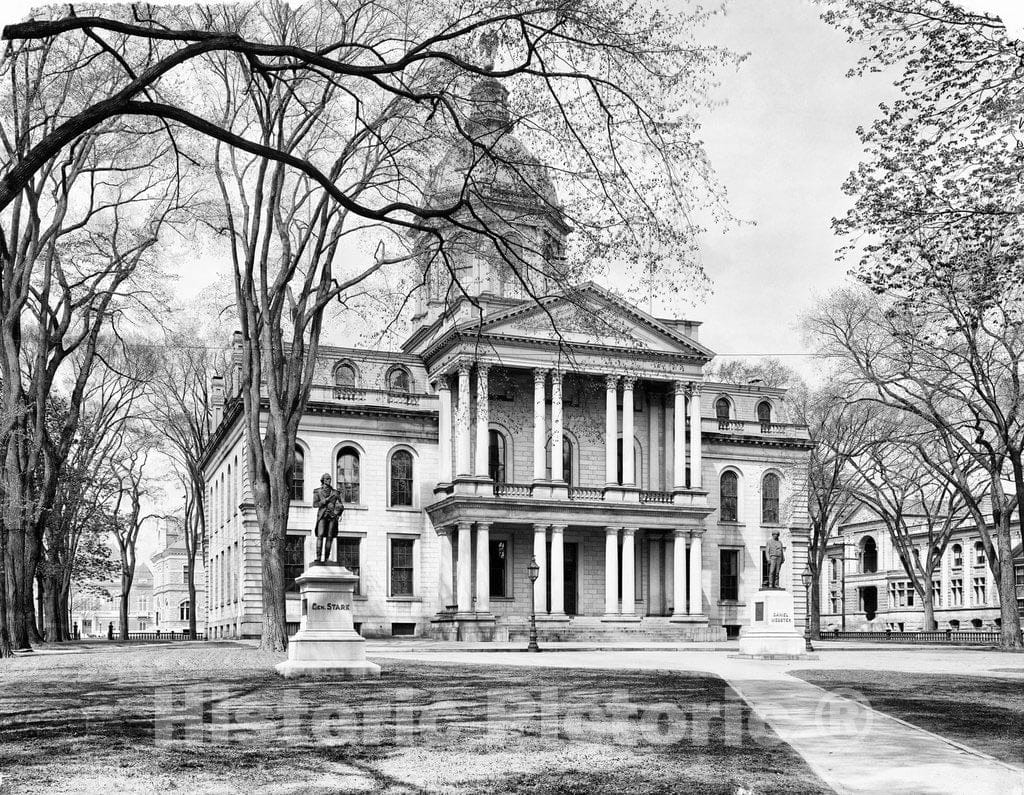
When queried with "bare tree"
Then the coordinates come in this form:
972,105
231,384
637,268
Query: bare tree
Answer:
901,481
949,359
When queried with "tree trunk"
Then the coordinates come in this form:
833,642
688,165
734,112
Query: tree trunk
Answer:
815,606
33,549
6,649
126,592
43,622
1008,612
928,604
272,502
50,590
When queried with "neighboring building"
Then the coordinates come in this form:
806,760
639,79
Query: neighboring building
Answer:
171,603
485,442
95,608
872,591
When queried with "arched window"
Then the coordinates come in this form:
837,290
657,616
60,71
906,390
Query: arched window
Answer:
347,474
958,556
566,459
399,380
979,554
401,478
868,555
184,610
729,501
344,376
496,451
764,412
299,475
770,499
722,409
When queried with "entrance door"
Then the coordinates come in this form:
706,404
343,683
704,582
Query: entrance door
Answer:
571,555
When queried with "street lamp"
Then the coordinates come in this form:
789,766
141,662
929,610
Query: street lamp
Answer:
534,571
807,577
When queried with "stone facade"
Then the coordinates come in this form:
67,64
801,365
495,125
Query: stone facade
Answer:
171,603
879,595
96,607
495,436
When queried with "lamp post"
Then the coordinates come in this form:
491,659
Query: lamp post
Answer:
806,577
534,571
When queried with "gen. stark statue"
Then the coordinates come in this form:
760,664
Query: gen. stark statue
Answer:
327,501
776,555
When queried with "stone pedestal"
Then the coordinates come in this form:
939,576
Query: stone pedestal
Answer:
326,643
771,631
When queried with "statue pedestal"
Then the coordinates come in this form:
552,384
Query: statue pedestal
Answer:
771,631
326,643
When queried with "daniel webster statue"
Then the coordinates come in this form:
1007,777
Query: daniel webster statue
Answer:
327,501
776,555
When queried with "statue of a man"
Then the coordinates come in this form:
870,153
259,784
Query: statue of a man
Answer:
327,501
776,555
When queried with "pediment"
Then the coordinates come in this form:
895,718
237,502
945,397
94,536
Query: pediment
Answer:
590,317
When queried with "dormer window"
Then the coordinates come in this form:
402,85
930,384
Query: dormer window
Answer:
764,412
399,380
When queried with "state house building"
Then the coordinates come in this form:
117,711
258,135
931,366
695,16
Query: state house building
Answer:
578,431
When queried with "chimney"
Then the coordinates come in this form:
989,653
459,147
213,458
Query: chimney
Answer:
216,401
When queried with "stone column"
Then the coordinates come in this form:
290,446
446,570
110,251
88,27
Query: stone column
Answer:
696,576
465,576
540,589
695,474
539,429
556,425
611,429
444,567
483,568
483,421
653,442
628,454
462,465
628,571
611,571
679,438
670,435
679,573
444,434
557,570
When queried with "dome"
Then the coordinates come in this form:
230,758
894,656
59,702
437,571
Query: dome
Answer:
495,162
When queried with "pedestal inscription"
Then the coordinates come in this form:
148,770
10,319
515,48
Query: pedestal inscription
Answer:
772,630
327,643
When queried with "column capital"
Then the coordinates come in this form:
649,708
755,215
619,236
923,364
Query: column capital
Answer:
558,528
611,382
443,531
540,528
482,368
680,388
483,525
441,383
611,531
464,524
540,376
628,381
694,388
681,533
696,533
464,368
629,531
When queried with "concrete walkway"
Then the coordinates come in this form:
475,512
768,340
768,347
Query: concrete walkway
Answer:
852,747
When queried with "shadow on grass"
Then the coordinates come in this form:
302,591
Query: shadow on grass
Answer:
195,718
986,713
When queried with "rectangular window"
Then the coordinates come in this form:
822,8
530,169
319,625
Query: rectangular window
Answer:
498,553
401,566
910,594
956,593
729,580
980,591
294,561
936,593
348,555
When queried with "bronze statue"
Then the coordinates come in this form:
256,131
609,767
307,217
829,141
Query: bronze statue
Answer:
327,501
776,555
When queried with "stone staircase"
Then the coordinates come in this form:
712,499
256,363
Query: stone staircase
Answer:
587,629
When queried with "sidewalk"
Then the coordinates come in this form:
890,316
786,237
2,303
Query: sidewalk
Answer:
852,747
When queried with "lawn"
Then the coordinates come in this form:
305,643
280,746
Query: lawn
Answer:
983,712
213,717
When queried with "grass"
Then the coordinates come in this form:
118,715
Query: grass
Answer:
213,717
986,713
